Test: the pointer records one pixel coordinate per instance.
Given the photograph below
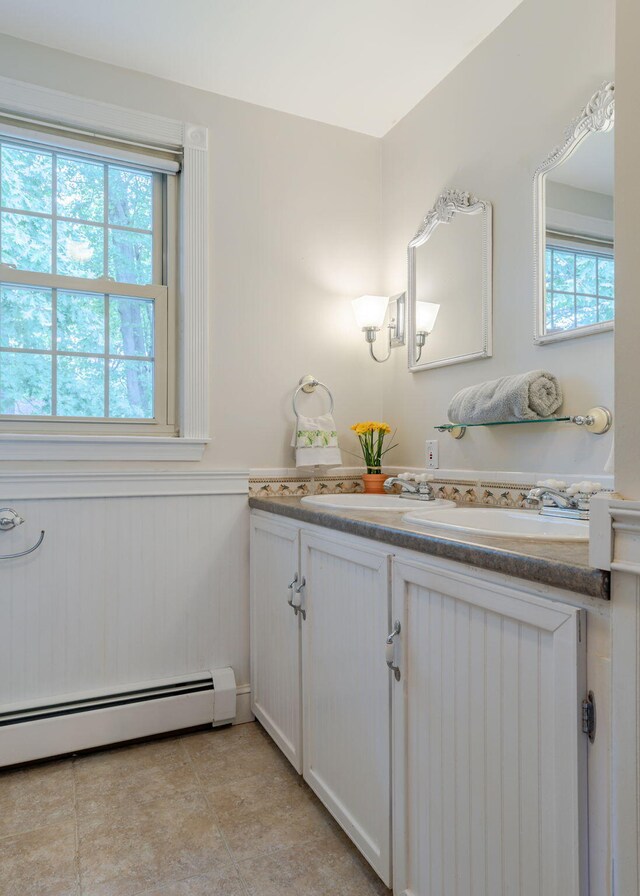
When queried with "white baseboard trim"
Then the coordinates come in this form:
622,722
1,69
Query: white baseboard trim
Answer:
243,705
122,484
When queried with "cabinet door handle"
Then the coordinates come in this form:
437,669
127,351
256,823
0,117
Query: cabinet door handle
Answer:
389,650
297,598
290,590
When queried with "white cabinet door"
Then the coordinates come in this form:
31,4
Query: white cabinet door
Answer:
275,634
346,688
489,758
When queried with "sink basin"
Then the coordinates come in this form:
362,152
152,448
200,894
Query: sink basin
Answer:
373,502
526,524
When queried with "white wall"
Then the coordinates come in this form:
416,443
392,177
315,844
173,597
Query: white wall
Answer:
626,580
485,129
627,259
295,233
580,202
125,589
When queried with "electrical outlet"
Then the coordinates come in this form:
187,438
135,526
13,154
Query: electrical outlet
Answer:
431,454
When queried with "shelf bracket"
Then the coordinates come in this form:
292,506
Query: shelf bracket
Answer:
597,421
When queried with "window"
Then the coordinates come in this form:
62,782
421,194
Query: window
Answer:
86,306
579,285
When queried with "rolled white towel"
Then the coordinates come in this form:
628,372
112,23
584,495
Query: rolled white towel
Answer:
524,396
584,488
559,484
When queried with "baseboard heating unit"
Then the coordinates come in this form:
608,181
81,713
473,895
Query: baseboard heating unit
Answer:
56,726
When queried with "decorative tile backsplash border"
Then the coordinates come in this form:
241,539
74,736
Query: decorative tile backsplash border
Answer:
491,494
298,487
501,494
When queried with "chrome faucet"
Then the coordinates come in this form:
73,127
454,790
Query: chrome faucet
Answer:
553,502
420,491
553,494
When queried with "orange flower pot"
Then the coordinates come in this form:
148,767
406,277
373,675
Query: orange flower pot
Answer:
374,483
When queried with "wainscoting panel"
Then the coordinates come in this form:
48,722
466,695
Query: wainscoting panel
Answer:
124,589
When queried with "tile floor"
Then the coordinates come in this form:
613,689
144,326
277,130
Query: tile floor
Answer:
218,813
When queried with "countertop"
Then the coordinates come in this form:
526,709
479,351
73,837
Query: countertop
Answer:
556,563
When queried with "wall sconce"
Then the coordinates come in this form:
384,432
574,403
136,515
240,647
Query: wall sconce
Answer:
370,312
426,313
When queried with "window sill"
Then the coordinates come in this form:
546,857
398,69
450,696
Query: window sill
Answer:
577,333
39,446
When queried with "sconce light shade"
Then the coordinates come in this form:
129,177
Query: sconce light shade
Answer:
369,311
426,313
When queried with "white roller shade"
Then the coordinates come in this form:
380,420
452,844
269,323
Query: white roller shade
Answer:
104,148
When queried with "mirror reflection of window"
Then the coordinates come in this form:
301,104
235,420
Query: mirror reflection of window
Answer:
579,284
579,244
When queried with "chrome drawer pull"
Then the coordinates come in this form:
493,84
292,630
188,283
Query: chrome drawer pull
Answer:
389,650
298,603
290,590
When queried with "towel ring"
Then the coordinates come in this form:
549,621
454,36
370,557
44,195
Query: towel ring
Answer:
24,553
9,519
309,384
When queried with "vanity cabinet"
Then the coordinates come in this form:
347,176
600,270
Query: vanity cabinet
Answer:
318,687
276,666
346,688
489,772
473,749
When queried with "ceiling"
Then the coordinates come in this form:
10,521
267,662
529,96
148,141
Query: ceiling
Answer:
359,64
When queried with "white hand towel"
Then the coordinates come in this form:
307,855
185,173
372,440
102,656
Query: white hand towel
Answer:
316,442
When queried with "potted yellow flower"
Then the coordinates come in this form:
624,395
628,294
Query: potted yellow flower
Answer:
371,435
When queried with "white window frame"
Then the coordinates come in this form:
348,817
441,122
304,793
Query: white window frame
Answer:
105,119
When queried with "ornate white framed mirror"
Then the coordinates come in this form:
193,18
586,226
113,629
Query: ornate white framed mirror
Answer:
573,228
449,292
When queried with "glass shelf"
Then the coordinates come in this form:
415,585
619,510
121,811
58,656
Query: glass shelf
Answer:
446,427
596,421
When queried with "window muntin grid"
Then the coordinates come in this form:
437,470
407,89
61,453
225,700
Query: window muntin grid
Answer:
579,287
77,361
77,217
99,222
